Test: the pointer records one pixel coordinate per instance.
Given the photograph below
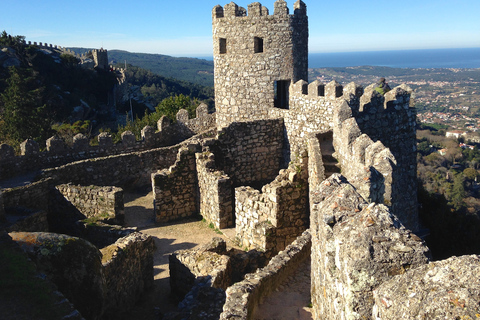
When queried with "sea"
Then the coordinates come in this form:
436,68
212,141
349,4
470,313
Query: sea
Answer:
425,58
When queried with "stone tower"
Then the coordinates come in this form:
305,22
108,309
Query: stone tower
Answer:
100,57
256,58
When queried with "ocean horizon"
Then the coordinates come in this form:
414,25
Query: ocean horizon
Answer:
420,58
425,58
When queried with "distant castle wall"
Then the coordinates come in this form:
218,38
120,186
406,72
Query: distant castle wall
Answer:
252,53
58,153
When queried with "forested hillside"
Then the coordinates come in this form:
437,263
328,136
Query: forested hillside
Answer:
194,70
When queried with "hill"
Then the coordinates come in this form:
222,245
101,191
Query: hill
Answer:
194,70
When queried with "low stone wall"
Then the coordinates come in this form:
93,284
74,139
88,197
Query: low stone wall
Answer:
32,196
98,203
175,189
128,270
216,192
243,297
356,246
272,219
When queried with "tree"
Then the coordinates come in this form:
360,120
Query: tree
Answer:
22,115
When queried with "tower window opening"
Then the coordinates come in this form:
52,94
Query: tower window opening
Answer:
281,91
258,45
223,45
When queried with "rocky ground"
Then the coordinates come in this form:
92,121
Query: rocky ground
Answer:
289,302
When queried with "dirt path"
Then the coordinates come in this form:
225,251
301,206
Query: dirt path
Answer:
168,238
289,301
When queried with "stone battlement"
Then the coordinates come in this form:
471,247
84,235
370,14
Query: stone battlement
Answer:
256,10
57,152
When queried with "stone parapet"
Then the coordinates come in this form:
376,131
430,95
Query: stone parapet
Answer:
243,297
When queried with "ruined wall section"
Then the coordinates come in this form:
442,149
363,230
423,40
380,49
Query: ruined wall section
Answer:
216,192
128,270
356,246
253,51
102,203
58,153
271,219
250,152
175,188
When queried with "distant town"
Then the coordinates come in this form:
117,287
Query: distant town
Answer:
447,97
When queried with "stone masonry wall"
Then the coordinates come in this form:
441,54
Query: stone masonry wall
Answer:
271,219
216,192
253,51
125,170
58,153
103,203
310,111
356,247
175,189
250,152
243,297
128,270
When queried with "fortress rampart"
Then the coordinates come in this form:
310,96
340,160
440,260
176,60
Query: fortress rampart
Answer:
57,153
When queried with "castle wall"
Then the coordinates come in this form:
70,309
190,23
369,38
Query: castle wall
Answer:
175,189
356,247
375,143
251,53
128,270
271,219
102,203
250,152
216,192
243,297
58,153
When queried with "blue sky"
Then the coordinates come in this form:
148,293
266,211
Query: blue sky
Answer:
183,27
